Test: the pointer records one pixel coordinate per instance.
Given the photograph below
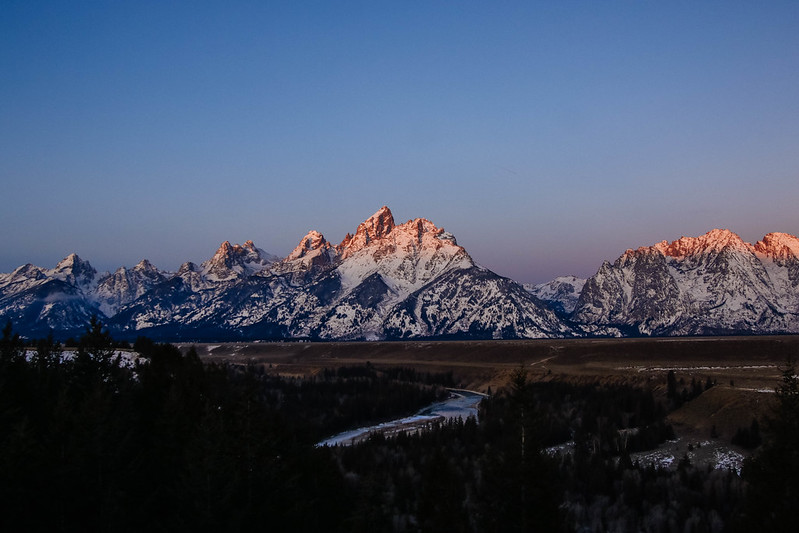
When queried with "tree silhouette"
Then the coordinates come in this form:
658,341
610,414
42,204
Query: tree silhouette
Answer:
773,474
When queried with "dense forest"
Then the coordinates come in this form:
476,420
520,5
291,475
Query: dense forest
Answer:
91,440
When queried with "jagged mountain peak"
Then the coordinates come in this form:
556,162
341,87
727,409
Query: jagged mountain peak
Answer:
227,249
426,235
236,260
73,269
125,285
713,241
779,246
379,224
370,230
144,266
311,256
26,271
381,232
561,293
187,267
312,241
406,256
71,261
714,283
223,255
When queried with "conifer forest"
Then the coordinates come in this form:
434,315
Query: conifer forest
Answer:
161,441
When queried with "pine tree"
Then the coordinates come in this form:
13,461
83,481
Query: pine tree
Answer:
773,474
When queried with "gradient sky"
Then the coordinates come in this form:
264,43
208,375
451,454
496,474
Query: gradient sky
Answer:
547,136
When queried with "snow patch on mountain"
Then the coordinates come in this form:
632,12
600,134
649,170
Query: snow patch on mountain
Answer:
561,293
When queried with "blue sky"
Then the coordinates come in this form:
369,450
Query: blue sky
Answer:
547,136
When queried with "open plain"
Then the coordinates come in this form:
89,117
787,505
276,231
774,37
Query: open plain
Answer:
745,370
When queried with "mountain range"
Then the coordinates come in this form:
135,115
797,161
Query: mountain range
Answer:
413,280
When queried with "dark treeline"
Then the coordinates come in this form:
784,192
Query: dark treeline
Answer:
349,397
89,442
494,475
608,420
678,393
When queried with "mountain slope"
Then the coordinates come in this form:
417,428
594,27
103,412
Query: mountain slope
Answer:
412,280
715,283
561,293
384,280
37,300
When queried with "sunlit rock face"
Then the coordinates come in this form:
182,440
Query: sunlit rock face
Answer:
236,261
715,283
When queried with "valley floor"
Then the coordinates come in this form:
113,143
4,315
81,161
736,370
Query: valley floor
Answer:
745,369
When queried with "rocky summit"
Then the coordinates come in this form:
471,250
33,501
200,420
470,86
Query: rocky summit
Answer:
413,280
384,281
707,285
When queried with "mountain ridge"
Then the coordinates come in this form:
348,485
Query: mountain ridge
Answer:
714,283
412,280
362,288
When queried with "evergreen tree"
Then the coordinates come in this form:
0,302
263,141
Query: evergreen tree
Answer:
773,474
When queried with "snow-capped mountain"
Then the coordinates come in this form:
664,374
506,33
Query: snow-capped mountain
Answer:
311,256
561,293
73,270
236,261
356,290
125,285
406,257
385,280
715,283
37,300
413,280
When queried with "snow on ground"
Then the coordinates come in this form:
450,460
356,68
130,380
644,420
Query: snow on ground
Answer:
461,404
766,390
716,453
729,459
127,359
689,368
560,449
658,458
668,455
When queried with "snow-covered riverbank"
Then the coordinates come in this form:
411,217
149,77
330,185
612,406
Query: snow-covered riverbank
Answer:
461,404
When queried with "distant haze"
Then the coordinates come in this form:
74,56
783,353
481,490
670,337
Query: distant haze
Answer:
547,137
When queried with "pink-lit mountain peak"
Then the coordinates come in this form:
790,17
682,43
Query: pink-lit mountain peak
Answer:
372,229
713,241
233,260
378,225
227,250
778,246
380,232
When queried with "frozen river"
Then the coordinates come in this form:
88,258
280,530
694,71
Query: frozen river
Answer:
461,404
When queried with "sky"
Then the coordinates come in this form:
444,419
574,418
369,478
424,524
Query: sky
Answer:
546,136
